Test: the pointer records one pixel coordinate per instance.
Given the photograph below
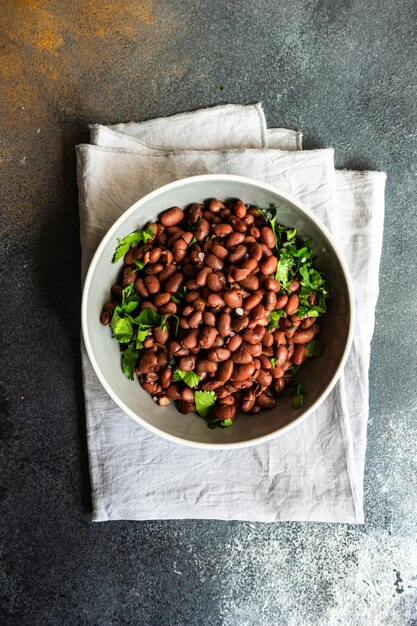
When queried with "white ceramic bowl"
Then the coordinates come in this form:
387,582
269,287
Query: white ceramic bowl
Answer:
318,375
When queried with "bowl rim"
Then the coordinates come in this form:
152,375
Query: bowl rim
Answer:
111,234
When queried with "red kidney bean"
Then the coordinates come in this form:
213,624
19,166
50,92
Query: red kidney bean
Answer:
214,283
252,301
173,284
239,323
238,254
268,236
209,318
222,230
281,301
254,349
161,298
266,401
233,298
194,321
223,324
252,335
140,287
234,239
202,230
202,276
240,274
282,355
241,356
147,304
211,385
172,216
248,401
173,391
240,209
269,265
195,212
169,307
303,336
220,252
218,355
214,262
185,407
277,371
265,362
234,343
166,377
255,251
267,339
152,284
129,276
218,342
251,283
300,354
242,371
105,318
161,335
225,370
215,301
207,337
215,205
190,339
167,272
147,363
279,385
227,400
307,322
154,268
204,365
292,304
258,312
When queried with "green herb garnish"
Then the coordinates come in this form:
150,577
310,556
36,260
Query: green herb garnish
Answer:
298,397
129,359
122,327
315,348
138,236
189,378
204,401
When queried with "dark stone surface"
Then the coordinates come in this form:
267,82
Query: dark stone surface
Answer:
344,73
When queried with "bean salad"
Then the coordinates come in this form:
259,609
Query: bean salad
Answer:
216,308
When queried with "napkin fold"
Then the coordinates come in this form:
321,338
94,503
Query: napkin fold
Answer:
314,472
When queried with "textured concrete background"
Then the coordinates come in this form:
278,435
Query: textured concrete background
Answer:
344,73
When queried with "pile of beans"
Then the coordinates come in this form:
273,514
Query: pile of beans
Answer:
223,255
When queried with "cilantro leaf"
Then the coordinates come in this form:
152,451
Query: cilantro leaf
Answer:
274,317
143,332
149,317
298,398
130,300
138,236
121,326
180,295
273,360
129,360
315,348
204,400
223,423
291,233
189,378
139,264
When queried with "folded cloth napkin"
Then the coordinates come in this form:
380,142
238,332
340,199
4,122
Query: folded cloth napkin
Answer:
312,473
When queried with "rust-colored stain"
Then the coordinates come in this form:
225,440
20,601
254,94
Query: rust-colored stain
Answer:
55,40
57,59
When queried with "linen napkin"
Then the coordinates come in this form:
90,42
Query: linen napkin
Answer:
314,472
